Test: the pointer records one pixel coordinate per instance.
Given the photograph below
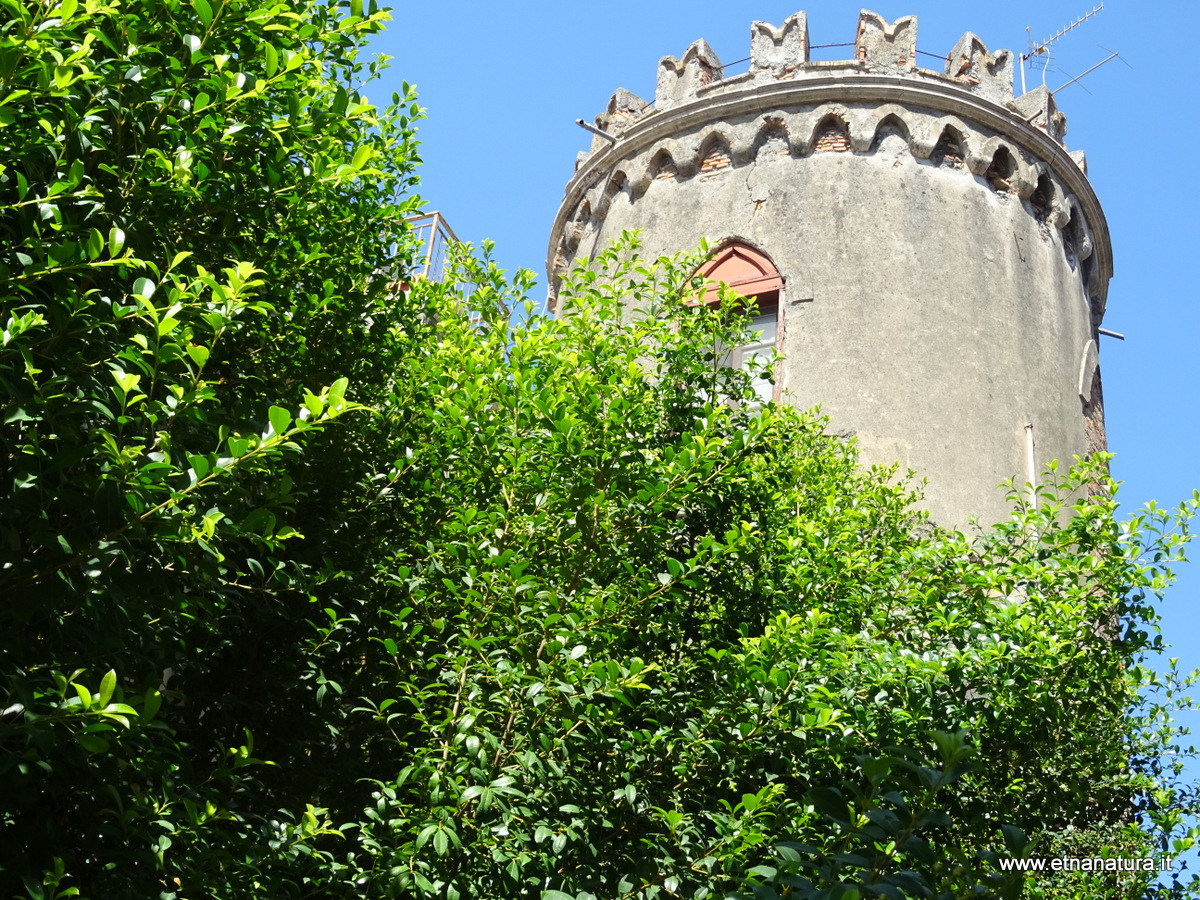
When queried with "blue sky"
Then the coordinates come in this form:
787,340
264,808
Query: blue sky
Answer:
504,83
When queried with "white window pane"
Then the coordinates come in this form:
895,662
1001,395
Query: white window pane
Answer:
764,326
763,389
760,361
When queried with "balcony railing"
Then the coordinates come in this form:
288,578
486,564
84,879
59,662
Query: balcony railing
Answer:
435,234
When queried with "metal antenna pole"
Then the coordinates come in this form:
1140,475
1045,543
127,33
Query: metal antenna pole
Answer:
1042,48
1028,49
1092,69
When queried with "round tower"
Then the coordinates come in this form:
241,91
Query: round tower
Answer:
929,259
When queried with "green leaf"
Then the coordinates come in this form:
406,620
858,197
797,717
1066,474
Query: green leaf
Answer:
92,743
337,392
424,835
272,59
280,418
198,354
95,244
63,252
151,705
116,241
199,464
108,684
1014,839
144,287
126,381
260,521
204,11
830,802
114,714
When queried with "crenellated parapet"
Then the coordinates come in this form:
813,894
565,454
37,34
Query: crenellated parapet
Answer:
680,80
1039,110
964,118
782,53
988,74
884,46
624,108
779,52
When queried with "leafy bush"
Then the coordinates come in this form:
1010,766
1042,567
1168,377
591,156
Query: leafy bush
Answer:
198,211
631,627
566,613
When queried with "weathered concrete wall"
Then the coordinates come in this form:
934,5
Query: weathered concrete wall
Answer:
945,260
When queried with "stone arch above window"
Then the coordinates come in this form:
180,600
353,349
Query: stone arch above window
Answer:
616,184
1072,236
748,271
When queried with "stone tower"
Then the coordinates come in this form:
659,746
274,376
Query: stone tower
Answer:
927,256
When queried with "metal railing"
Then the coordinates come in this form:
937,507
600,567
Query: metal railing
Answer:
434,233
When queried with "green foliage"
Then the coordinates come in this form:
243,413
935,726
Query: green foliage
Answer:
567,614
632,632
888,840
200,215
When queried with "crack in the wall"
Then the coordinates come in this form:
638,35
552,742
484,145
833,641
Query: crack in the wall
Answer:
759,202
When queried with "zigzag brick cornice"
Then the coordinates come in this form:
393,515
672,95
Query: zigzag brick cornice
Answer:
728,100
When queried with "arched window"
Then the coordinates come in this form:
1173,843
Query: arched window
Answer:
750,273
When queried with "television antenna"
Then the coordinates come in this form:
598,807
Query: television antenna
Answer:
1035,50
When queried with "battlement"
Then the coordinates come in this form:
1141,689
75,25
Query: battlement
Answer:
782,54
